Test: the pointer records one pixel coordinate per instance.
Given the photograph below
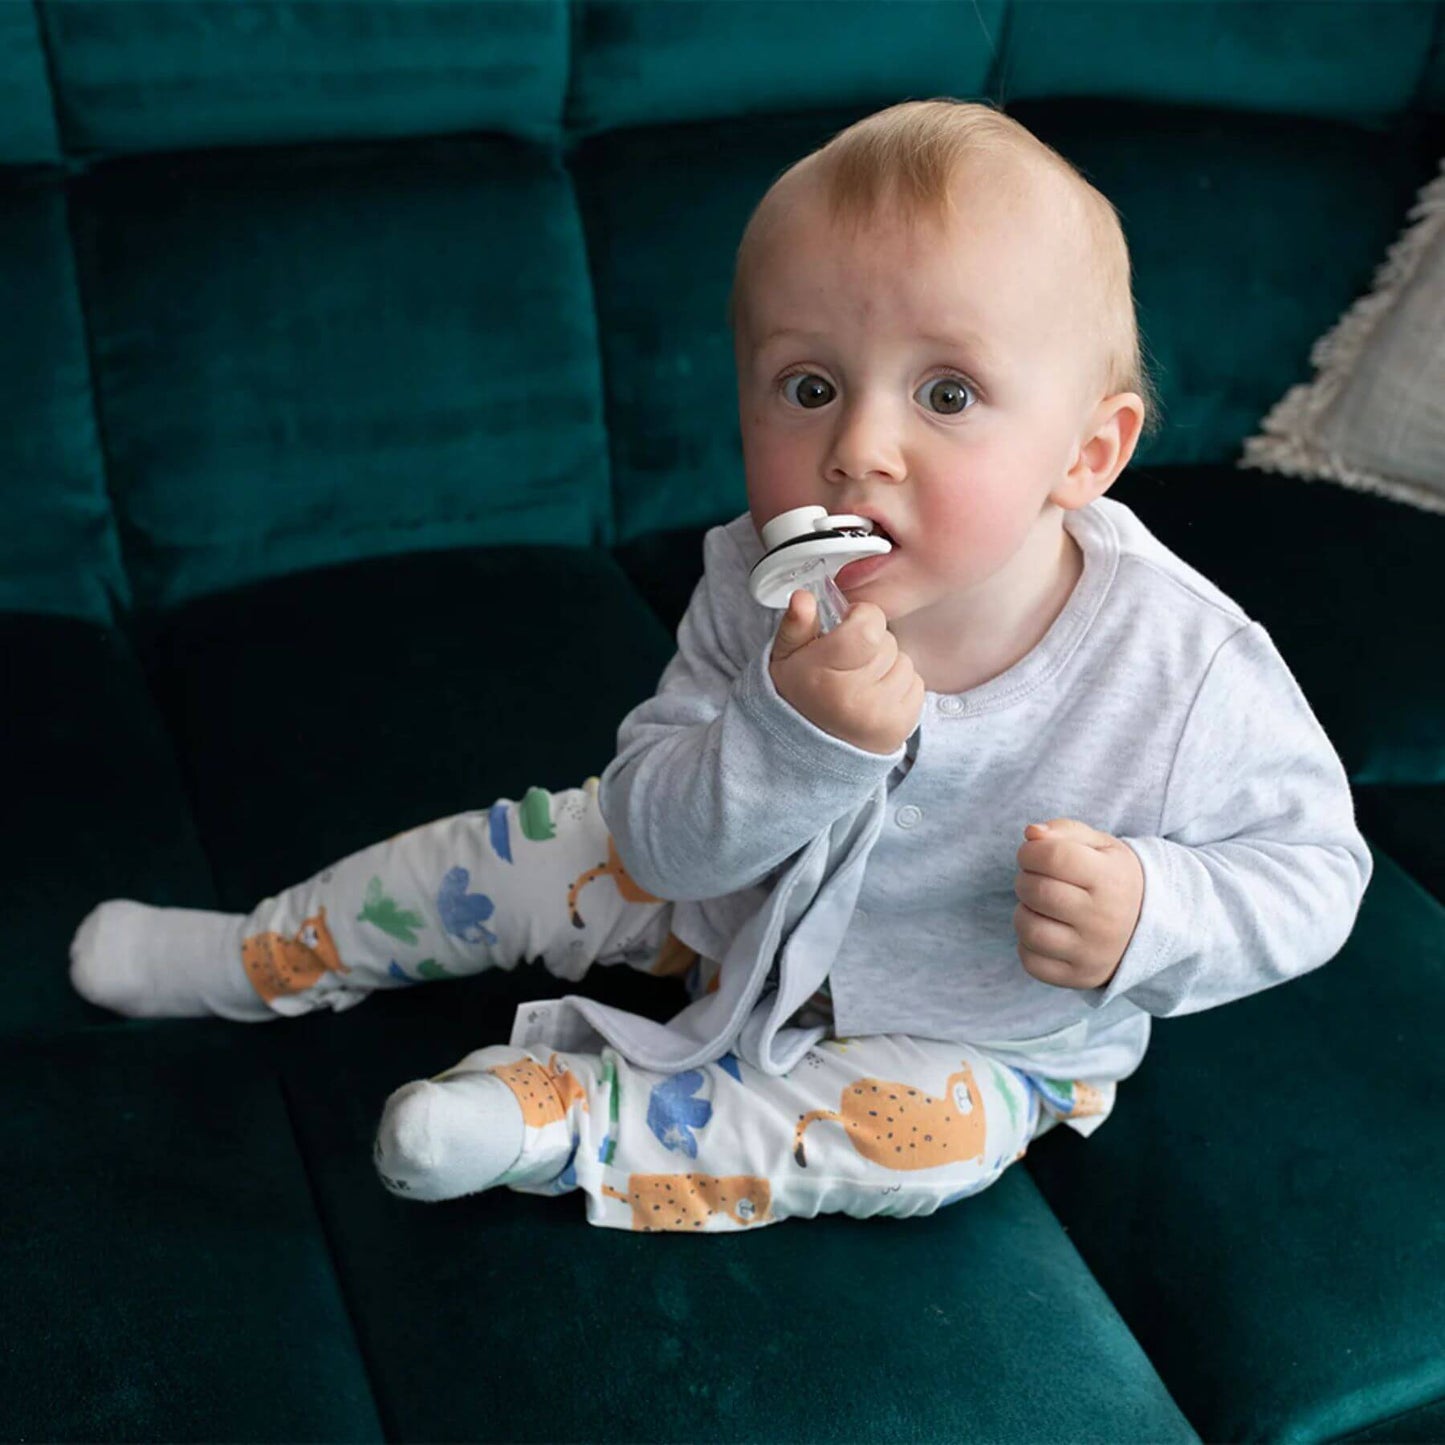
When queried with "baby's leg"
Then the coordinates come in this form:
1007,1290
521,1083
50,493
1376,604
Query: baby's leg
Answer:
539,878
880,1125
884,1124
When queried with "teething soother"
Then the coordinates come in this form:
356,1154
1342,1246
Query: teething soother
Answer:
807,548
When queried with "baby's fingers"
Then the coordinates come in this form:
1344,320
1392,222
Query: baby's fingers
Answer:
799,625
901,681
862,641
1053,898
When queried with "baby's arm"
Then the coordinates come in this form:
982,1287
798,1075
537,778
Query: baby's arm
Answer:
1259,868
718,779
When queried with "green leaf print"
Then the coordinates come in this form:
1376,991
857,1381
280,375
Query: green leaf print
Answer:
388,915
609,1082
1006,1087
535,815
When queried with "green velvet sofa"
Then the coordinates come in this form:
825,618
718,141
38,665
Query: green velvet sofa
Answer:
365,394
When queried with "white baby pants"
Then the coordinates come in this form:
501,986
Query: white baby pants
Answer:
884,1124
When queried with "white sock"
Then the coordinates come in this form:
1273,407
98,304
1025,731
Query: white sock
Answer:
439,1139
164,963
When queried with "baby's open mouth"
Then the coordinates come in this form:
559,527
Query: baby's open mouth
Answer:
876,530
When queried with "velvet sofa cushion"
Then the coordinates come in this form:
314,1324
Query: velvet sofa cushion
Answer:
655,63
1352,59
156,76
506,1316
319,713
166,1274
28,132
311,354
59,549
1409,824
1263,1206
94,808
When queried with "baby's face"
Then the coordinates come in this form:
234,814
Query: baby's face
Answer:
935,380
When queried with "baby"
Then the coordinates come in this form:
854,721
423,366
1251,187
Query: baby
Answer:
927,877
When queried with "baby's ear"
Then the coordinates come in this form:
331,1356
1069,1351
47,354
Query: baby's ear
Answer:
1106,444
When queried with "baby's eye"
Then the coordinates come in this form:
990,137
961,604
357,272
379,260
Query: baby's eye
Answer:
814,393
948,393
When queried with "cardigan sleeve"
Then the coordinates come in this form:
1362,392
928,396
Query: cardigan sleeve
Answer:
1258,870
717,779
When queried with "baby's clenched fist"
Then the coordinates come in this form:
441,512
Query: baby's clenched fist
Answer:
1081,894
854,683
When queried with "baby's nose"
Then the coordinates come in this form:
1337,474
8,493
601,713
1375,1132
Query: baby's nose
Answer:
866,442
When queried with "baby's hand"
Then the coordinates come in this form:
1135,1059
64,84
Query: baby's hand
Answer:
852,682
1080,893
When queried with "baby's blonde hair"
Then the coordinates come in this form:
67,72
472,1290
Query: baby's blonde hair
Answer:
909,154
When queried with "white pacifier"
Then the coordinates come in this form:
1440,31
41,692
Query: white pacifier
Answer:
807,548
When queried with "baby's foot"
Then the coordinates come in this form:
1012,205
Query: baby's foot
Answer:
164,963
442,1138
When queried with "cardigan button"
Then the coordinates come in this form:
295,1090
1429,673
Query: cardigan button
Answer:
950,704
909,815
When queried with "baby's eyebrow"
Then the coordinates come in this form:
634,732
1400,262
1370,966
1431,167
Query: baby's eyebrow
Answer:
963,339
779,332
966,340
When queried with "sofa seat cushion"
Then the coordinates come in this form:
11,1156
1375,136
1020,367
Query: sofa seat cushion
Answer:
94,807
319,713
507,1316
1409,824
1263,1205
166,1277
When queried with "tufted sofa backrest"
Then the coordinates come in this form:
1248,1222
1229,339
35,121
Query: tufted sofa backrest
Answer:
290,284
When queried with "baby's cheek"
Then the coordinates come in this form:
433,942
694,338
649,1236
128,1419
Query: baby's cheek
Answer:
974,522
777,481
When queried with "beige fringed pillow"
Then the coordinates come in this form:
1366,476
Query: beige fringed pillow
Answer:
1374,416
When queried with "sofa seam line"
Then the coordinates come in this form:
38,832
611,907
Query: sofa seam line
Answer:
119,606
344,531
1386,1420
123,610
52,89
343,1293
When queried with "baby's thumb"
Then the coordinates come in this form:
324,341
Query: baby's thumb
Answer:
799,624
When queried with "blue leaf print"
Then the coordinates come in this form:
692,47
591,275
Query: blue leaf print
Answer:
501,838
673,1113
462,912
